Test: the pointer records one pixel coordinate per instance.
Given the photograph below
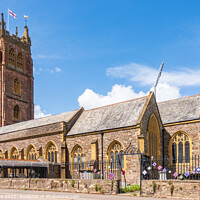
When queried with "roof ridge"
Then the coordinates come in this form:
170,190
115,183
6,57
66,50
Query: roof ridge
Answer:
116,103
179,98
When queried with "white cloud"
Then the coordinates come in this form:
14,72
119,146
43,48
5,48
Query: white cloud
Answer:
57,69
166,92
146,75
38,113
168,87
89,99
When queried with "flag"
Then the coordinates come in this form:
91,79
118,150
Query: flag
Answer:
12,13
25,16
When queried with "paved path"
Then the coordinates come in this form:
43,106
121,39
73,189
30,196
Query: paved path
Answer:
43,195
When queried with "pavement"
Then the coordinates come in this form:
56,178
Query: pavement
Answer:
44,195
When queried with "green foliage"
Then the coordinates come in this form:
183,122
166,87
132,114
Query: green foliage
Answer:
96,187
66,181
130,188
134,194
154,187
172,189
72,183
101,191
36,180
112,182
169,182
25,189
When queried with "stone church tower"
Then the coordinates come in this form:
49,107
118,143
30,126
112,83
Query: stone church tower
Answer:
16,77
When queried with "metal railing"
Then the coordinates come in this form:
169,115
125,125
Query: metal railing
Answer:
169,168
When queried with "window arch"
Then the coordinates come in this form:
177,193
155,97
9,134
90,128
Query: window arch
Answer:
52,152
20,64
153,137
78,157
31,153
115,152
16,113
14,153
11,56
180,148
16,86
1,153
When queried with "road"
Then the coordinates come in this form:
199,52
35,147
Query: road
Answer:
44,195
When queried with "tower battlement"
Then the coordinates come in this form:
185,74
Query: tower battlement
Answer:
23,42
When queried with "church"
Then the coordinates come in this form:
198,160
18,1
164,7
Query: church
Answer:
86,144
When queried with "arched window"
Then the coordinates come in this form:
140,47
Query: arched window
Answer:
16,86
11,57
180,148
20,61
16,113
31,153
51,153
78,158
115,155
1,154
153,137
14,153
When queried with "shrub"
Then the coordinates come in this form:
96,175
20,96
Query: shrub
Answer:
130,188
180,188
66,181
134,194
154,187
112,185
169,182
101,191
172,189
73,183
25,189
96,187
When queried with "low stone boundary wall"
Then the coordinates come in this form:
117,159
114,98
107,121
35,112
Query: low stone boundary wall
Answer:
186,189
61,185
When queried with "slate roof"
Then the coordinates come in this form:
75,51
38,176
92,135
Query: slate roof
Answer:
186,108
109,117
38,122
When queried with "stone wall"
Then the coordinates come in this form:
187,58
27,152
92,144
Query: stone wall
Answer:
62,185
172,189
121,136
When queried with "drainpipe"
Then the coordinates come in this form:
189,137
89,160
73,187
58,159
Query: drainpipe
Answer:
102,155
163,145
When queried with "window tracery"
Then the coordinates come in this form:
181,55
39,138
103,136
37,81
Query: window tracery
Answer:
115,153
14,153
52,153
78,157
180,148
11,57
20,61
16,86
16,113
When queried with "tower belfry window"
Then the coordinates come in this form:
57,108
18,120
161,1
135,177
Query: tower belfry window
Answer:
16,86
11,56
16,113
20,61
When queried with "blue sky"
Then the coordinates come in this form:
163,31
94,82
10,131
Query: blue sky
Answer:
95,52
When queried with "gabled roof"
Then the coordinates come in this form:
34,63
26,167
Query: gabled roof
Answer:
183,109
113,116
63,117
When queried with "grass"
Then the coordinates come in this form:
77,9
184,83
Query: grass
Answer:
130,188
